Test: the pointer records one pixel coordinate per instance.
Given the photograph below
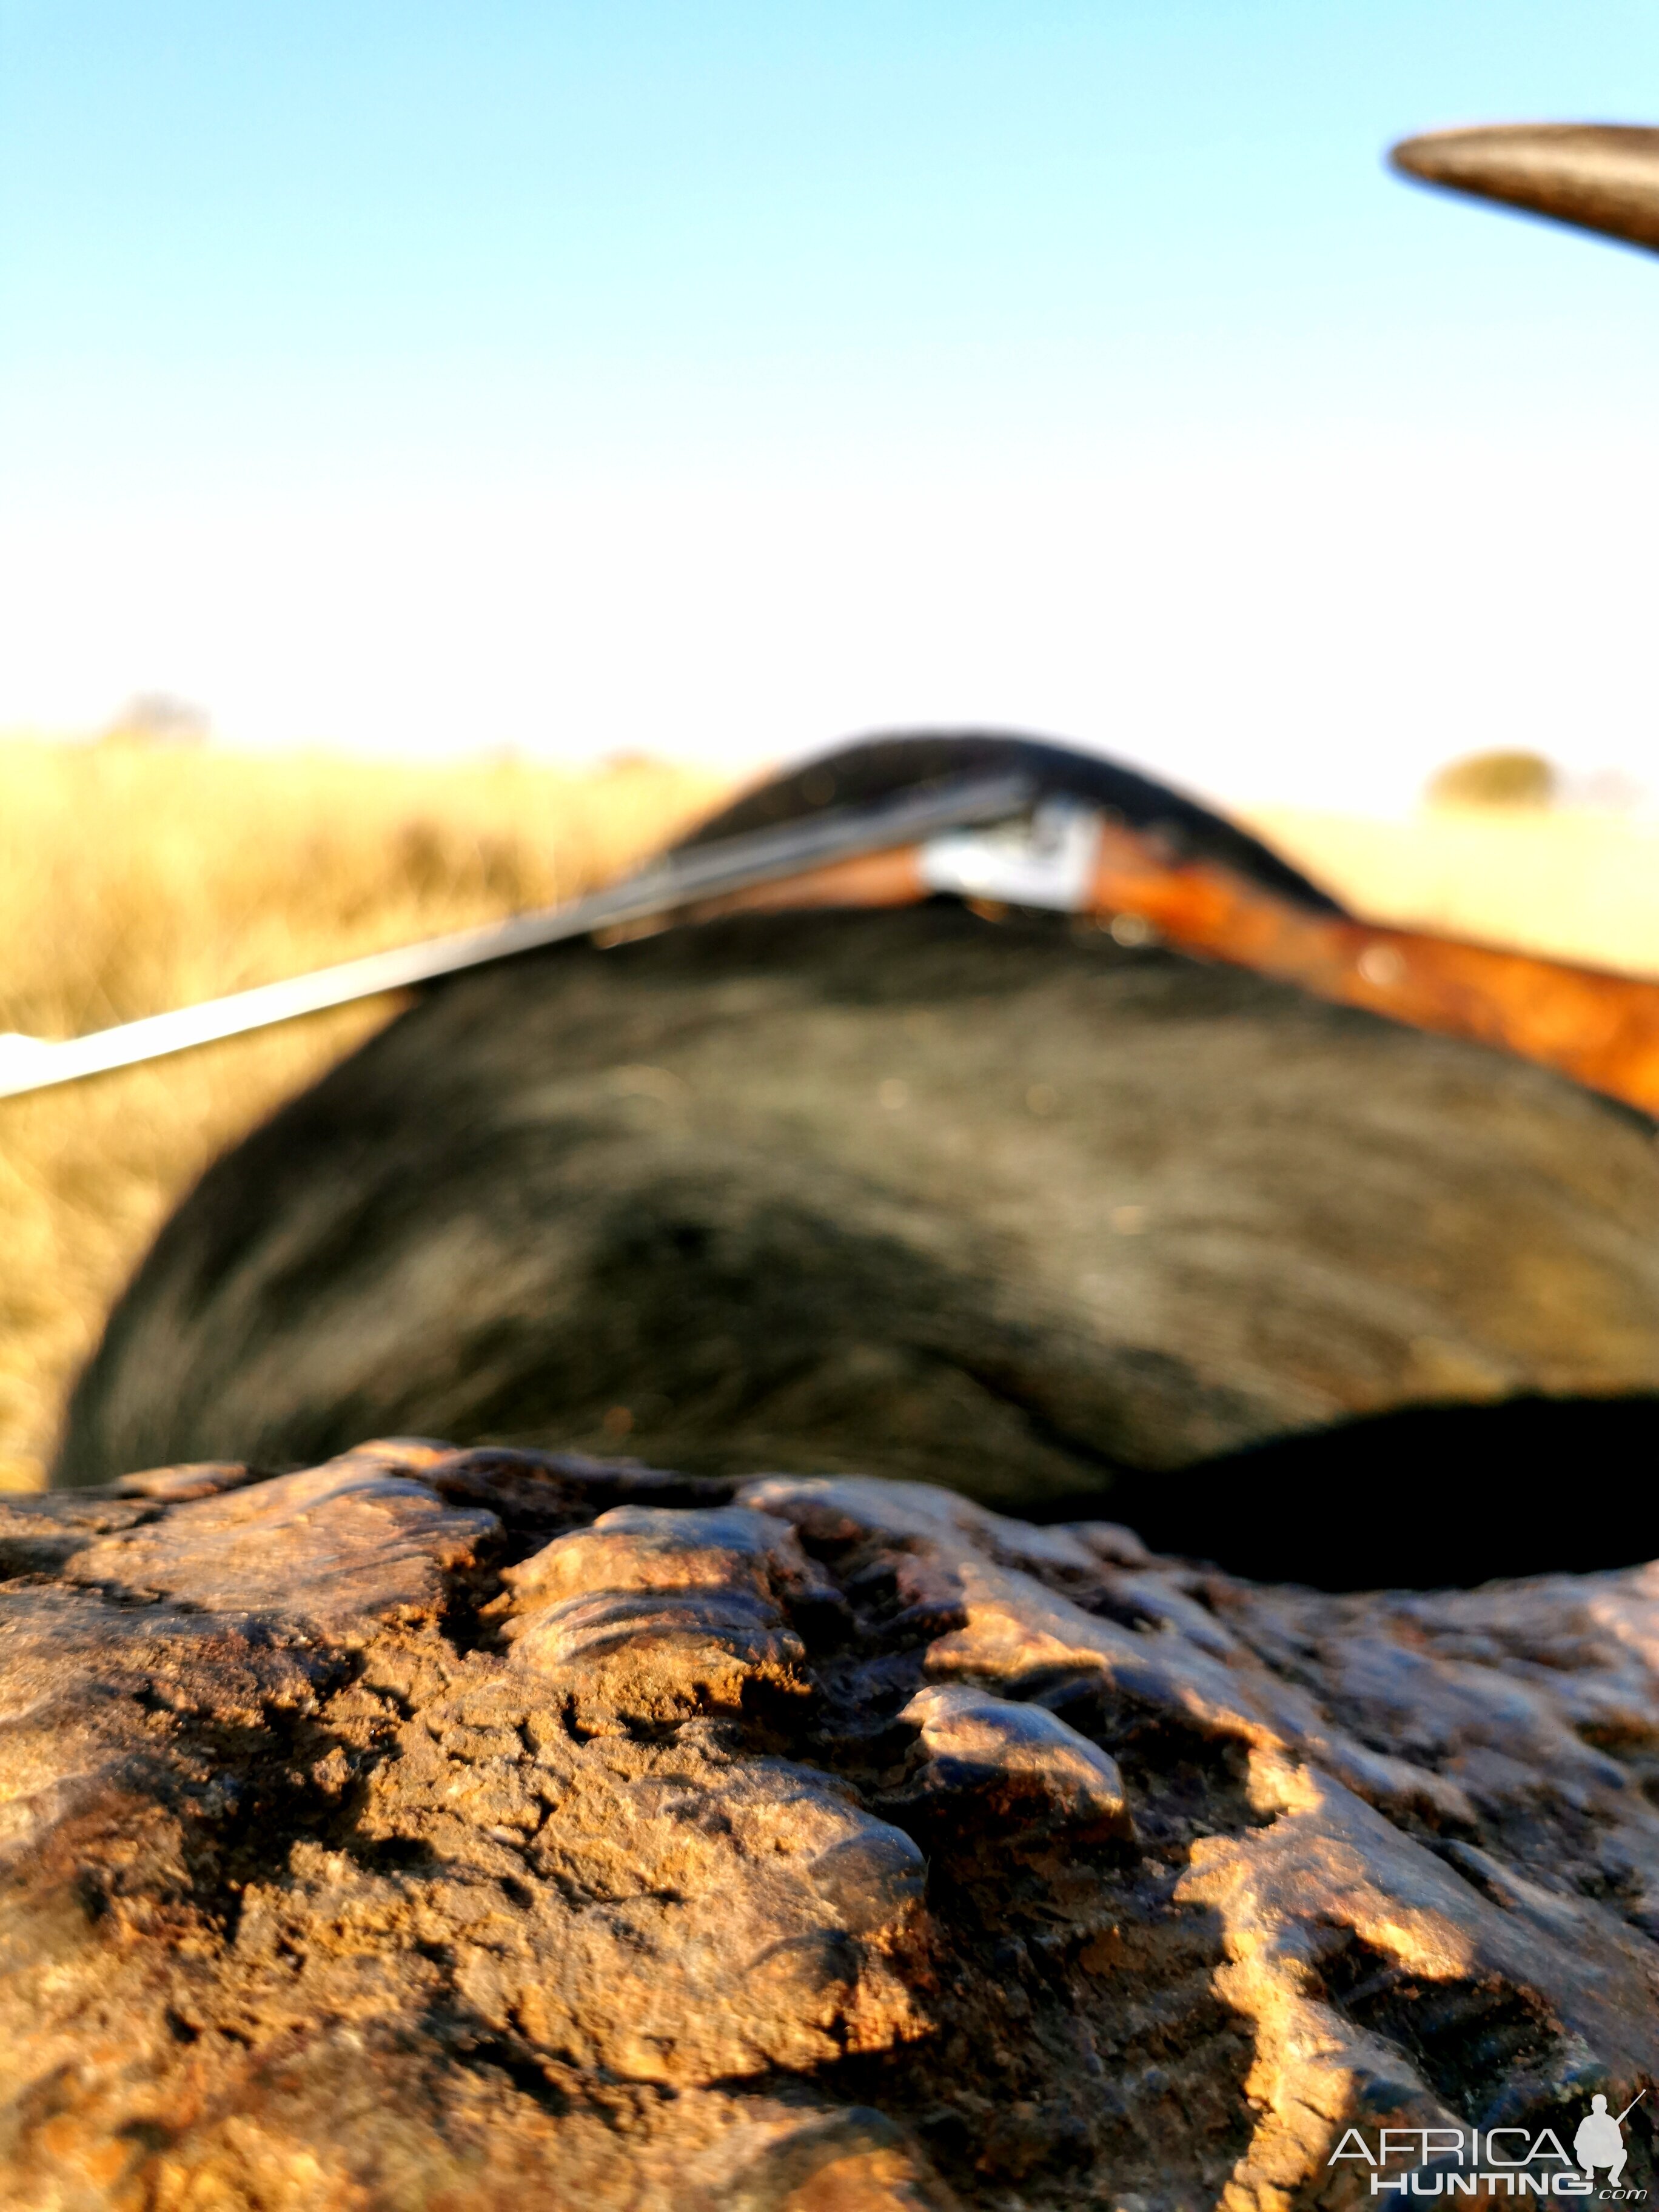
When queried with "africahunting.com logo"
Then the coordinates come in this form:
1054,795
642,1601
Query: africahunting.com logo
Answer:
1489,2162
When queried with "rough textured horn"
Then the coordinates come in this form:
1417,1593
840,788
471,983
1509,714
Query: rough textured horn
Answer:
1599,176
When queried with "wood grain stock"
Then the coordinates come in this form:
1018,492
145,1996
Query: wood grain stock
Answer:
1601,1028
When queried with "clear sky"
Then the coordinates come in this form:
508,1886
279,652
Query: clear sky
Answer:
723,379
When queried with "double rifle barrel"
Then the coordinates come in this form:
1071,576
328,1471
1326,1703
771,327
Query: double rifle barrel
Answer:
676,882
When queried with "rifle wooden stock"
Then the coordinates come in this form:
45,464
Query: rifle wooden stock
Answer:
1601,1028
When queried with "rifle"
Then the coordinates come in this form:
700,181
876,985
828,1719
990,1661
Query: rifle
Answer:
997,842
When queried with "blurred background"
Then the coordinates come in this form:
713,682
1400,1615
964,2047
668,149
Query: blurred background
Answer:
714,378
442,448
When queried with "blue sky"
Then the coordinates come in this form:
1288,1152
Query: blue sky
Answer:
722,379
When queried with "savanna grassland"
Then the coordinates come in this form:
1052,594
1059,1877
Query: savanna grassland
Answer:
136,878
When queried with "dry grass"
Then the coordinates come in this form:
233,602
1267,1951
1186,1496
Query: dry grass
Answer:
135,879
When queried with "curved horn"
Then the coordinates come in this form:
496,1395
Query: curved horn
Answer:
1601,176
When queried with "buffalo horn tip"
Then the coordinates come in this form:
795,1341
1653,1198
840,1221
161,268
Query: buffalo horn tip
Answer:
1599,176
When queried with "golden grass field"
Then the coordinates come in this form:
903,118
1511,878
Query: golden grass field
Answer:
134,879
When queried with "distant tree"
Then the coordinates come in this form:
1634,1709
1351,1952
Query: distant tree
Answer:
1496,779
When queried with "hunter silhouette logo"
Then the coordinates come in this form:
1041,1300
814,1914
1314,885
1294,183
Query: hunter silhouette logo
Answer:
1601,2139
1509,2161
